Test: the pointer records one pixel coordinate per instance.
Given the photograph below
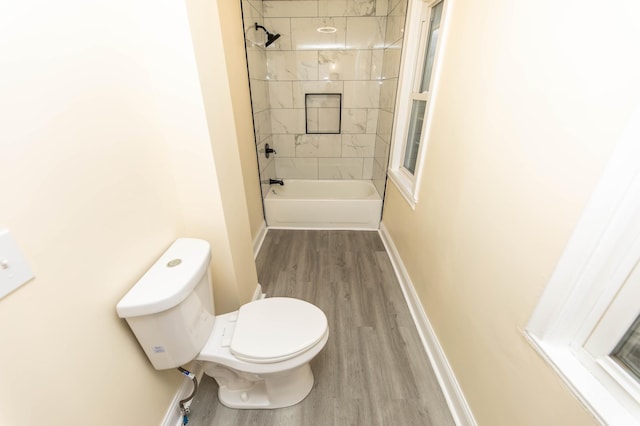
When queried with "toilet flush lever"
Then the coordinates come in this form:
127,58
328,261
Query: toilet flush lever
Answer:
268,150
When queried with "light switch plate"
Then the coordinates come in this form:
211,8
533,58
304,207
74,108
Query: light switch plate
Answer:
14,269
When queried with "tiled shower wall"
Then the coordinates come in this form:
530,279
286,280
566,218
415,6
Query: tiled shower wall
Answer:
397,11
360,60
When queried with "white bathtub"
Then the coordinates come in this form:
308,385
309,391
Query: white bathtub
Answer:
323,204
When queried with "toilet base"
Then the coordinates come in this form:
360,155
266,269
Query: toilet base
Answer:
242,390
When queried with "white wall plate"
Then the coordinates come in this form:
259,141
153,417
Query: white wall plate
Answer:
14,269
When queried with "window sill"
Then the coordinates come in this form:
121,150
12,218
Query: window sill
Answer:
603,404
404,187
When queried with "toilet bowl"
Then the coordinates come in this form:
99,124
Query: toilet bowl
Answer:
259,354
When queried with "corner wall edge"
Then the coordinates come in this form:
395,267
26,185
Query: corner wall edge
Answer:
259,239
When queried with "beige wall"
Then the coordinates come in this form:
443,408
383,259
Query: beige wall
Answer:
532,99
207,36
105,158
236,62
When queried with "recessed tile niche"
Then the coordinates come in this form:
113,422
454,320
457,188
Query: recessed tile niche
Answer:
323,112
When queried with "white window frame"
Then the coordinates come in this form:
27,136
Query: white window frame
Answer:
589,301
413,54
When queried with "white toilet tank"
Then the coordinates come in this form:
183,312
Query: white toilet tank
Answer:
170,309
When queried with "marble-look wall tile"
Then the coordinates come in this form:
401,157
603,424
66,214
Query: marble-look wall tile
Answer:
262,123
253,43
358,145
340,168
344,65
280,26
379,173
257,64
380,186
394,30
318,145
365,33
379,177
332,8
384,159
382,7
377,63
361,7
385,122
285,145
323,120
281,94
306,146
288,121
292,65
297,168
250,13
322,100
367,168
361,94
305,34
399,8
290,8
372,121
391,61
256,4
378,169
302,87
381,150
347,7
259,95
268,173
393,4
354,120
388,94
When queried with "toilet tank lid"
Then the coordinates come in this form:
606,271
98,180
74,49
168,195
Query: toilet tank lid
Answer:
169,280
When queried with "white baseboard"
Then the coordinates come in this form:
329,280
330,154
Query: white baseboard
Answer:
173,417
450,388
257,242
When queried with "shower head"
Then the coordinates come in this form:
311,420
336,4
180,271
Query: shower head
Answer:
270,37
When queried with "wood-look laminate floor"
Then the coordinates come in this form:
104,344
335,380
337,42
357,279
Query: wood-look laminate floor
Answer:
373,370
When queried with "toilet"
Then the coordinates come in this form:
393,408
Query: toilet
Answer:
259,354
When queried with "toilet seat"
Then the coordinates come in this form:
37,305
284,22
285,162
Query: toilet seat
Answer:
276,329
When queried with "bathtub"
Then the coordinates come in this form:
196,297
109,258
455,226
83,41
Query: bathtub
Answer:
323,204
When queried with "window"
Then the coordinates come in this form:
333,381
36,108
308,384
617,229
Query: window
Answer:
419,68
627,351
587,322
416,123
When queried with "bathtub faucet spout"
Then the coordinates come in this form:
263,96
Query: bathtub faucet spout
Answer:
278,181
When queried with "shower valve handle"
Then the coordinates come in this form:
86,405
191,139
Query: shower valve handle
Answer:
268,150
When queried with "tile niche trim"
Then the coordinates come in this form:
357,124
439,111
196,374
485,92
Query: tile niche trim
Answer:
323,113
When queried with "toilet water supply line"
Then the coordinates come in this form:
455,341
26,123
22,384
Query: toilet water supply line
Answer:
185,410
